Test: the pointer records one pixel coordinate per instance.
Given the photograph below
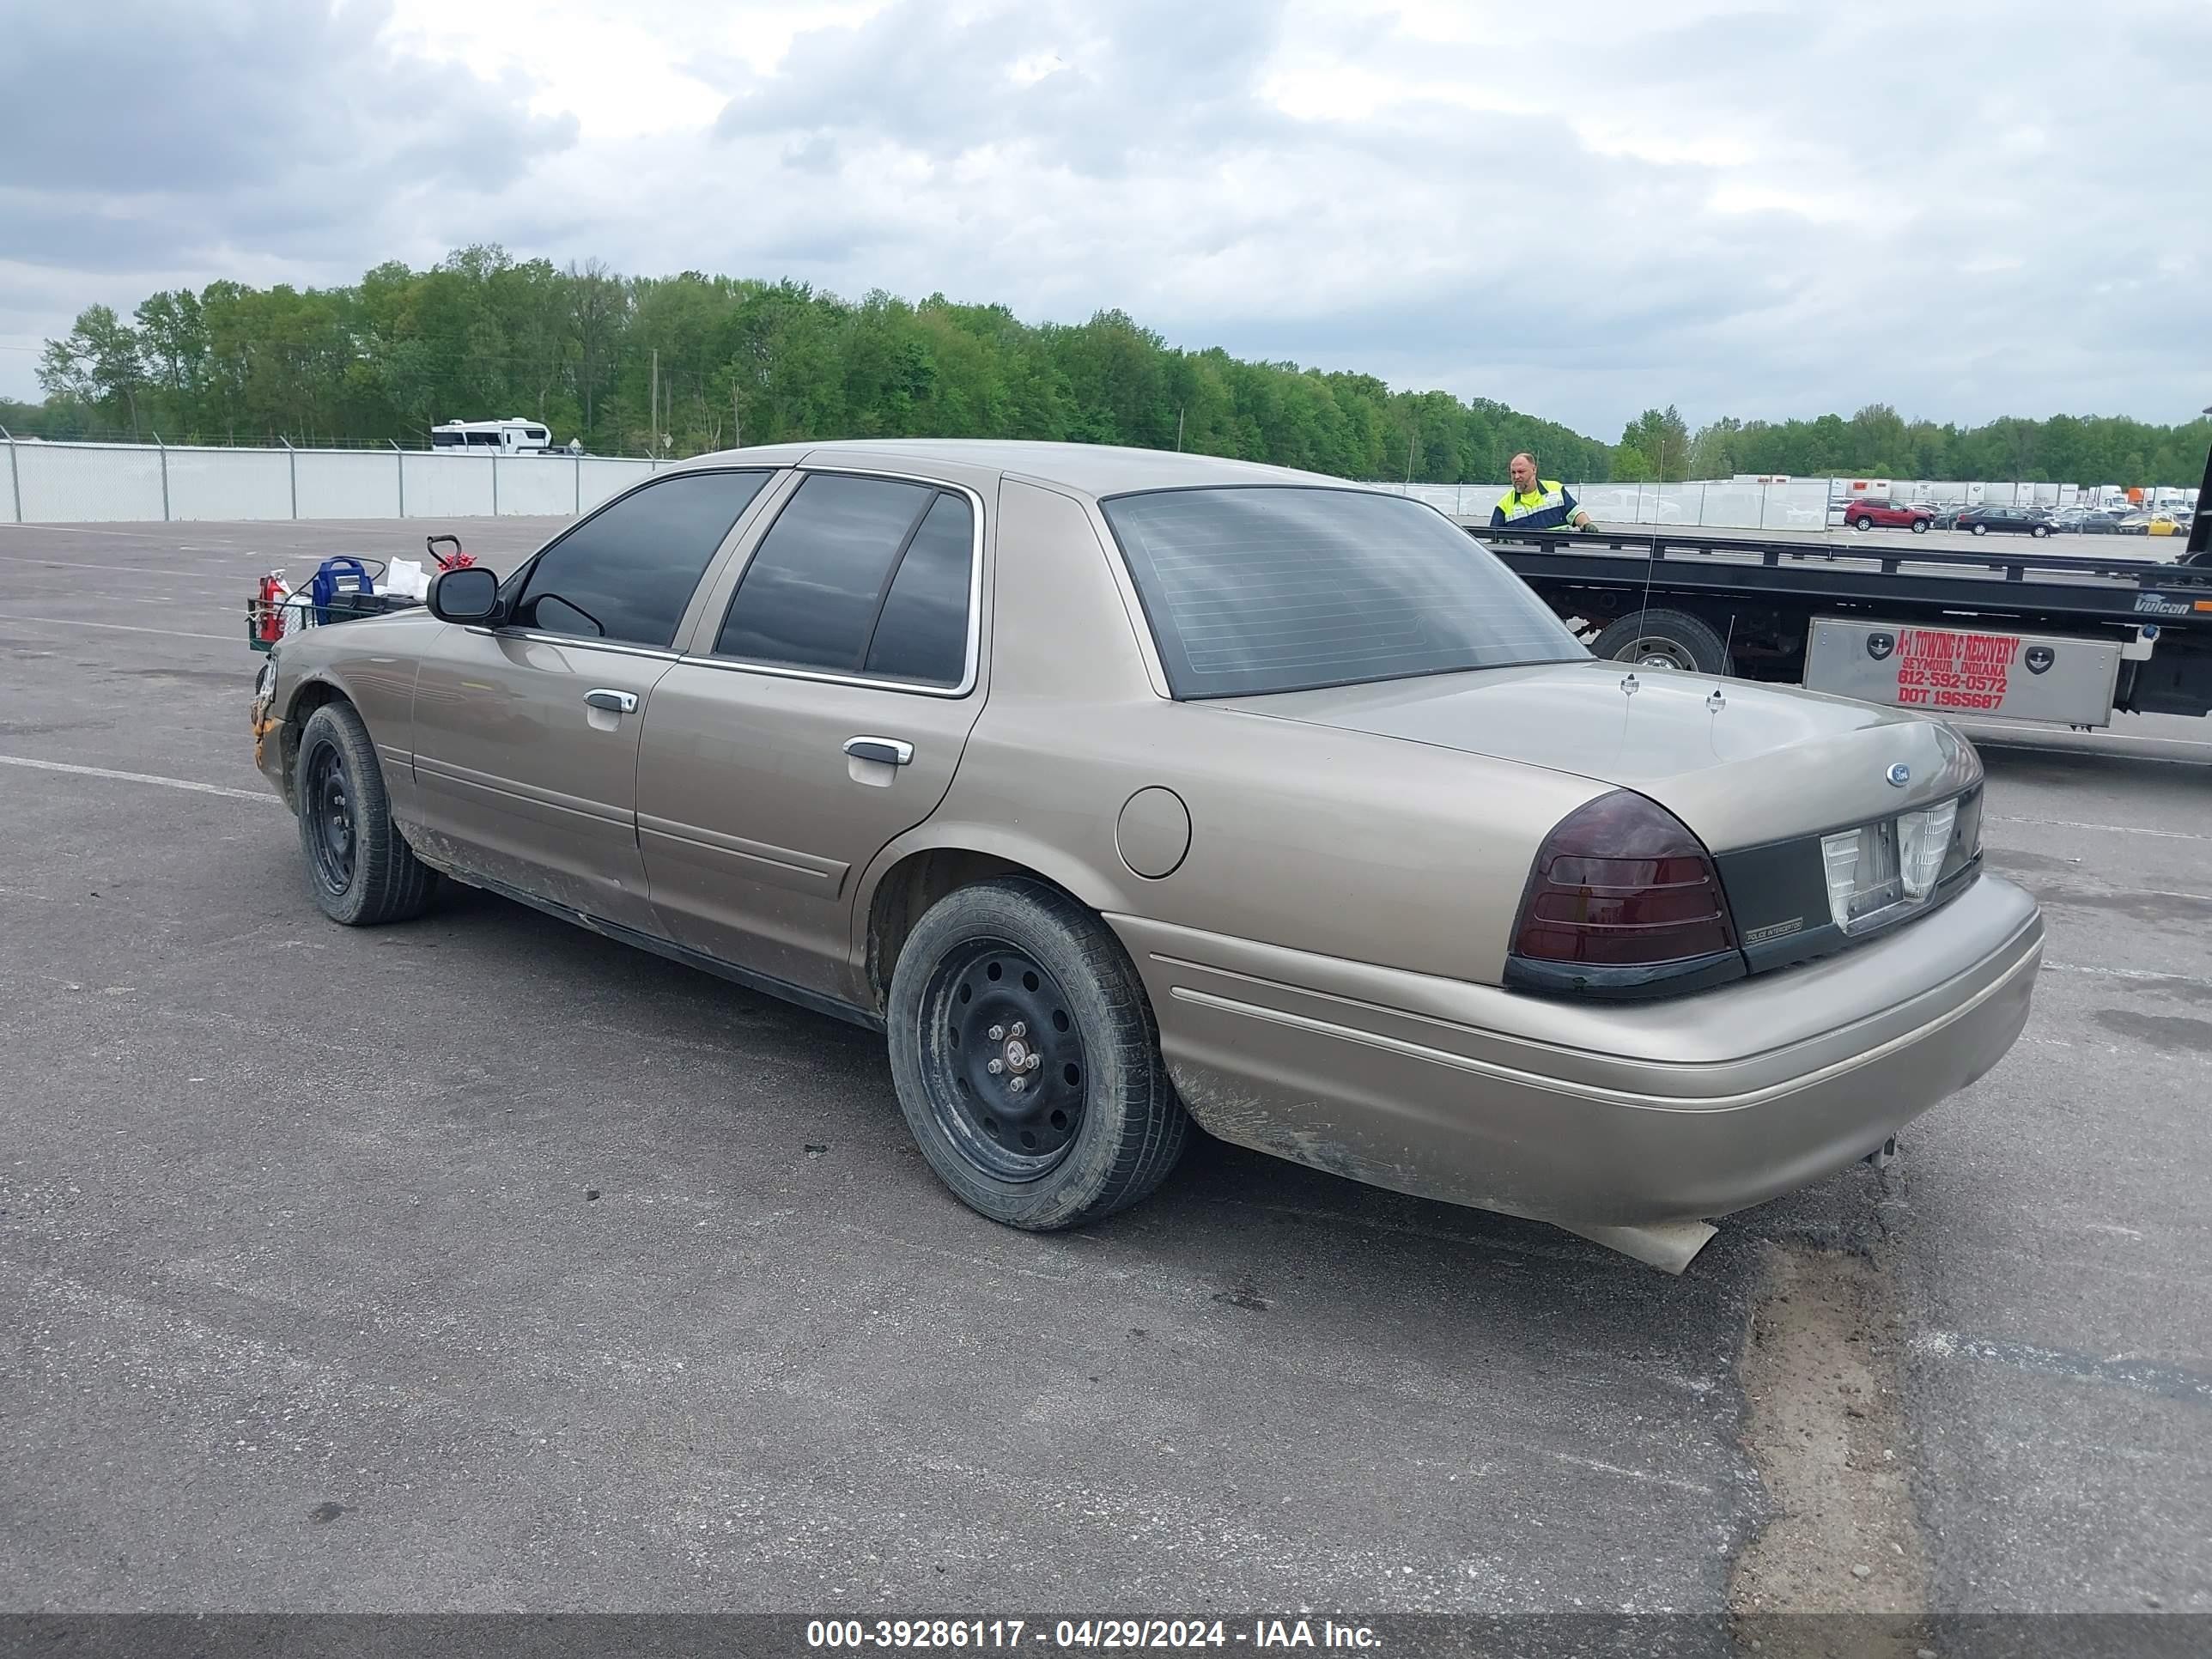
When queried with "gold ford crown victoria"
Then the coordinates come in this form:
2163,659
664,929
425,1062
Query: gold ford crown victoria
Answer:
1123,790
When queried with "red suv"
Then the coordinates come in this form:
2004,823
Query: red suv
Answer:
1865,515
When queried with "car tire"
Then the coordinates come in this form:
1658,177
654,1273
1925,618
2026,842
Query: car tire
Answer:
1979,529
1101,1125
361,871
1862,523
2040,531
1664,639
1920,527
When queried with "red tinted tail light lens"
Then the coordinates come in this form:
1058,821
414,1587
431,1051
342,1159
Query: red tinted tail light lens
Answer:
1622,883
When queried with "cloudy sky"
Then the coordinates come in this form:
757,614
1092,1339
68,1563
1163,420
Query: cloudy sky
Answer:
1966,208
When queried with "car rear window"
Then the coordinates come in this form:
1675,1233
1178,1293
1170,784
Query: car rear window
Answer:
1257,589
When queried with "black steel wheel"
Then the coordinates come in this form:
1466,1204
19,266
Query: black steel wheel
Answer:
361,871
1027,1063
1009,1082
327,810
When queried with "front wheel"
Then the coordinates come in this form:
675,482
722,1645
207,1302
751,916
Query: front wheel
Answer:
2040,531
1920,527
360,871
1027,1063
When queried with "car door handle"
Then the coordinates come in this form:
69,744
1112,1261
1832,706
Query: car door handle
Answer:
615,702
892,752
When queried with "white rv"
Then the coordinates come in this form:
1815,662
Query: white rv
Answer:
508,437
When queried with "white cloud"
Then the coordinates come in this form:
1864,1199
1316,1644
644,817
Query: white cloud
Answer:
1580,209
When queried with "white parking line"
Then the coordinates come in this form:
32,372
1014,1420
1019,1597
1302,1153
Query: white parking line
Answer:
74,530
141,777
53,563
2121,973
120,628
2100,829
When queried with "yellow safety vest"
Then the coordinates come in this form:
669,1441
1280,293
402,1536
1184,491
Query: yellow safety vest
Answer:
1541,508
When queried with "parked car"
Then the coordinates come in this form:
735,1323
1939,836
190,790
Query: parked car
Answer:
1124,790
2085,521
2019,520
1865,515
2169,521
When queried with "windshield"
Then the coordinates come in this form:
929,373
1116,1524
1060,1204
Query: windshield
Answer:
1257,589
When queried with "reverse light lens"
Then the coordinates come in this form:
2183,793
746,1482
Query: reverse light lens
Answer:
1862,873
1895,862
1923,839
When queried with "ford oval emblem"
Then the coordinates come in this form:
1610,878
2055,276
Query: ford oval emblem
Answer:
1899,774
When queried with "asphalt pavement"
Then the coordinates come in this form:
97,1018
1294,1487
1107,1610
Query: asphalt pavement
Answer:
482,1263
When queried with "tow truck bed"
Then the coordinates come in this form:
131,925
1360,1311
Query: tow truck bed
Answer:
1763,594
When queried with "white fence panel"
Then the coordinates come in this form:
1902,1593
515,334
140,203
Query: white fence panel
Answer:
602,477
1732,505
348,483
11,511
447,486
537,484
80,484
229,484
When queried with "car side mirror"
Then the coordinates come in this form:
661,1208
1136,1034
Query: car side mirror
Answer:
470,594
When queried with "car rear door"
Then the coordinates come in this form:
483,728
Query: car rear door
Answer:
830,688
526,735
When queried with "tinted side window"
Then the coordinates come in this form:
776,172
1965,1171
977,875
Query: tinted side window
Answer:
626,574
922,634
810,597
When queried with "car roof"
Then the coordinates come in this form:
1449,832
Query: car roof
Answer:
1088,468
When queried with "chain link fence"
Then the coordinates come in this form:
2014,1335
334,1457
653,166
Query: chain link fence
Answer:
46,483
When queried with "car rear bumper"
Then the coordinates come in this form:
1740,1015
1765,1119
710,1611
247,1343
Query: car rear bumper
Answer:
1601,1116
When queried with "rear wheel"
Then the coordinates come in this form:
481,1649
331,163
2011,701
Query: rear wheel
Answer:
360,871
1027,1063
1863,522
1664,639
1981,529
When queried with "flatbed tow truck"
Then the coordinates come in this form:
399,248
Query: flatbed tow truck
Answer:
2042,636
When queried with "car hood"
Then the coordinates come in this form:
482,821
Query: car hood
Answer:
1753,764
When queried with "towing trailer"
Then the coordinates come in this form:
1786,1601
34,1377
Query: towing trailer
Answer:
2035,635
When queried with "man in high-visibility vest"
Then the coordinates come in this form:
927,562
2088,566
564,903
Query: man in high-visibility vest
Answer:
1535,503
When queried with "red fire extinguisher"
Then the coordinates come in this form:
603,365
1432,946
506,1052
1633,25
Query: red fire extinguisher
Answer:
268,609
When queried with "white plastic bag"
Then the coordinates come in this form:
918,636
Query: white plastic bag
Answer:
405,578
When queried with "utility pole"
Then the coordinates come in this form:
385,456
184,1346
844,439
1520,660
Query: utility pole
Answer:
1409,461
1178,431
653,414
738,416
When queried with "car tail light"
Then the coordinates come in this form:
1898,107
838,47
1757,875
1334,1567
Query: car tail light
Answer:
1621,883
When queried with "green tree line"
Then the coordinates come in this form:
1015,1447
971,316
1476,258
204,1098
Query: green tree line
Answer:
683,364
1877,442
679,365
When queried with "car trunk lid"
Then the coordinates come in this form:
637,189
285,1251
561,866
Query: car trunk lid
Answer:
1743,764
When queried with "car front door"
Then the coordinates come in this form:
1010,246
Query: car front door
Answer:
820,713
526,734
